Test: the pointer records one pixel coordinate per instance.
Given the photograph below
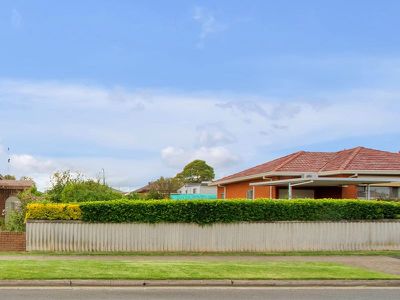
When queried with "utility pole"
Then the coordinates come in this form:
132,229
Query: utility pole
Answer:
104,176
8,160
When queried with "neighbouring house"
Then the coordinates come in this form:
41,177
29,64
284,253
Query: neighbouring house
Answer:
353,173
143,190
196,191
9,190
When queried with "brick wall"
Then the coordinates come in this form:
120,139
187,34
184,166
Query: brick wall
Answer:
239,190
350,192
12,241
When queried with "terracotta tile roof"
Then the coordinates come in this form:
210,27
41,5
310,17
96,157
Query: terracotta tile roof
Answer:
266,167
361,158
356,159
144,189
15,184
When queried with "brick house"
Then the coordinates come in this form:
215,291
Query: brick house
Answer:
353,173
10,188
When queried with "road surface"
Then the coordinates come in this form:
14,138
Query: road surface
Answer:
212,293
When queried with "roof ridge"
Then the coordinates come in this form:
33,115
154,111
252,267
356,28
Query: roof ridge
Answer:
329,160
351,157
288,160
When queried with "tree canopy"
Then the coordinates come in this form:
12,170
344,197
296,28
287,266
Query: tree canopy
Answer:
163,187
70,187
88,190
196,171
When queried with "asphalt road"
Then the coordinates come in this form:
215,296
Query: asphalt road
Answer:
177,293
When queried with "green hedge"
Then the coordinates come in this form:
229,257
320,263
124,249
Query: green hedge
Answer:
228,211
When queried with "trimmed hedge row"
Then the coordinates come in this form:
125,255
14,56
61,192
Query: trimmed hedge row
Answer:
223,211
52,211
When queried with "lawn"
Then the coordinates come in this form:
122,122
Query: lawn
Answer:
103,269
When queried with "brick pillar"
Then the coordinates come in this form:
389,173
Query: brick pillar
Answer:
349,192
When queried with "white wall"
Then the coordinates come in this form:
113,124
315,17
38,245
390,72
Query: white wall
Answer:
208,190
277,236
199,189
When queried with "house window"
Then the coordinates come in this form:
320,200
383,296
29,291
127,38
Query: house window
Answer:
222,195
379,192
194,191
249,194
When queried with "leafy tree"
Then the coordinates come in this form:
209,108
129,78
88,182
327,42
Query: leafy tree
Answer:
163,187
58,182
8,176
89,190
196,171
154,195
133,196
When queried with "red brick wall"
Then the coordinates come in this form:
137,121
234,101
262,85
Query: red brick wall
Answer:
239,190
12,241
349,192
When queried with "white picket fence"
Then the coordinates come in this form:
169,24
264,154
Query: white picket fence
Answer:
236,237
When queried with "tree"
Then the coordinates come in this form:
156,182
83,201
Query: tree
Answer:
9,177
196,172
133,196
58,181
163,187
88,190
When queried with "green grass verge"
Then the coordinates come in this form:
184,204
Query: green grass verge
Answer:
95,269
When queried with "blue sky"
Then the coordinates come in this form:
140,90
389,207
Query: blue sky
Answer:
139,88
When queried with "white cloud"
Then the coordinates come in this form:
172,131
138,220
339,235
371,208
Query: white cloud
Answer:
208,24
25,163
214,134
16,19
174,157
218,157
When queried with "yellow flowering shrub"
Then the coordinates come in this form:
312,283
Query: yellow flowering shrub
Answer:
53,211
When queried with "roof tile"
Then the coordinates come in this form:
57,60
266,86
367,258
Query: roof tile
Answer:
356,159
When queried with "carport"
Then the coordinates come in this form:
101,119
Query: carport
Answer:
328,182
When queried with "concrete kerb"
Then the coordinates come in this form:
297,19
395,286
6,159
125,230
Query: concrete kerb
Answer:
199,283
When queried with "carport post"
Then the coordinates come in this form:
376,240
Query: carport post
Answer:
368,192
289,190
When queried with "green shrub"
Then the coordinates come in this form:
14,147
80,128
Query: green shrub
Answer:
2,224
88,191
53,211
133,196
219,211
15,221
